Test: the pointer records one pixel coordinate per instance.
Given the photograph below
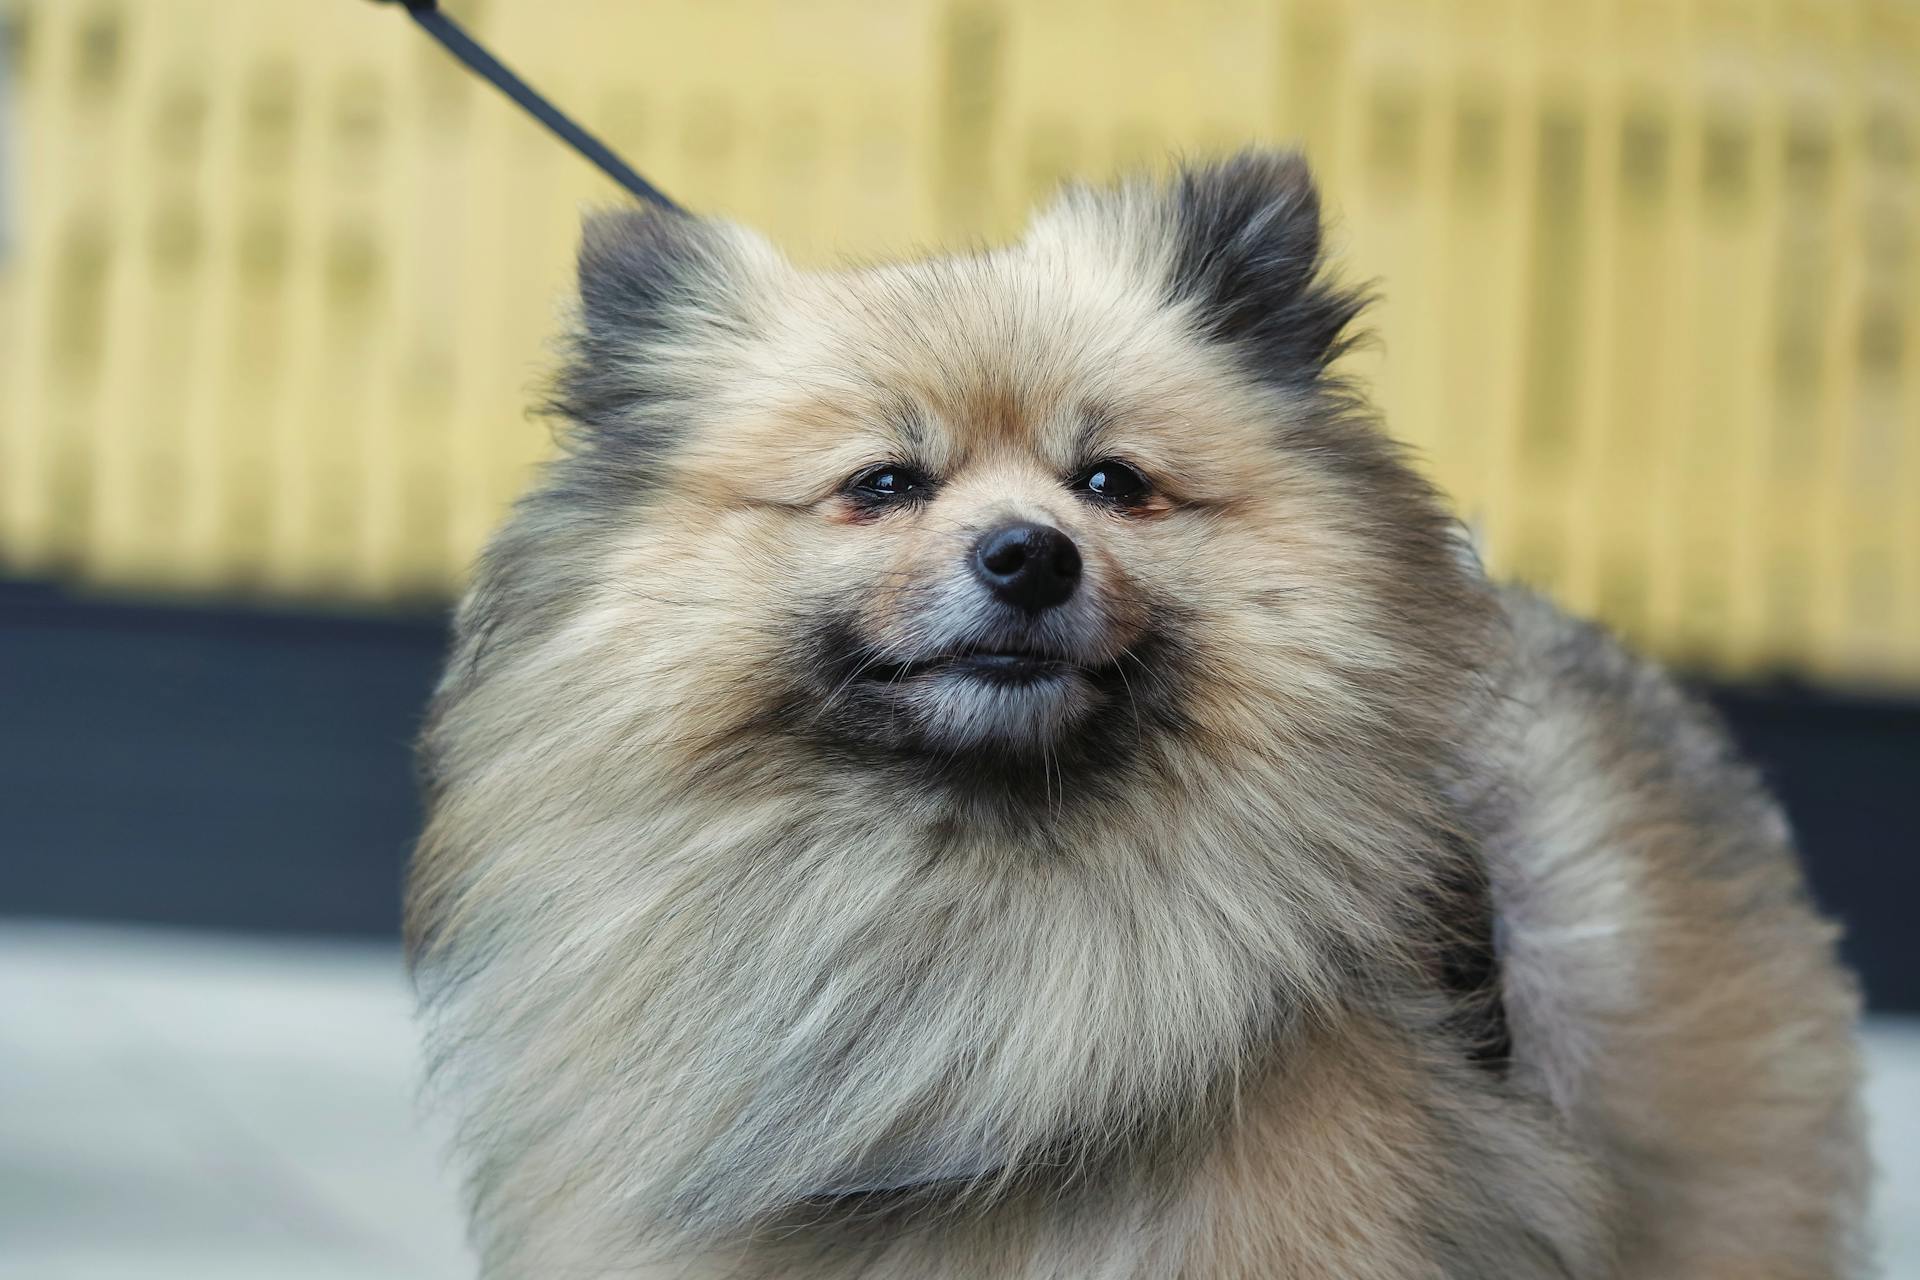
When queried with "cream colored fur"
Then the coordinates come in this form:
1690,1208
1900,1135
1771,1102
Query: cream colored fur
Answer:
1135,982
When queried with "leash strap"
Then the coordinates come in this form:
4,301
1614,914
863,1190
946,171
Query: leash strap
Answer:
454,39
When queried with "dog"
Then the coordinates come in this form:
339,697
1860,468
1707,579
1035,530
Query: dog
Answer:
997,767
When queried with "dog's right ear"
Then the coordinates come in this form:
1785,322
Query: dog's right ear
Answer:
657,291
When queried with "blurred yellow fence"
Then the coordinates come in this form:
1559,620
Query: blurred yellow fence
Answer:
282,276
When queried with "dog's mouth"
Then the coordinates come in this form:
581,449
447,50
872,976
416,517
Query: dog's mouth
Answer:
998,665
1014,692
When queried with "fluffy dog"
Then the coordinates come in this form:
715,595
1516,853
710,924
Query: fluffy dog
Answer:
996,767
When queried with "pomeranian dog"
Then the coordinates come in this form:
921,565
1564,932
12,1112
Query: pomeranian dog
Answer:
996,767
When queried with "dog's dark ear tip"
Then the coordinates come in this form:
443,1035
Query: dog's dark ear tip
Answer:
627,220
1258,173
606,233
1247,258
1272,167
632,261
1250,191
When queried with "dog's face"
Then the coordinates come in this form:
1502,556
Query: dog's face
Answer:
971,519
1006,515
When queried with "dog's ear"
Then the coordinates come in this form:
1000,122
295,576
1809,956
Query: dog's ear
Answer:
1236,245
1247,257
659,291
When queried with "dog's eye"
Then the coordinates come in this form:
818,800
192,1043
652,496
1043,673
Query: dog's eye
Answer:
1112,480
889,482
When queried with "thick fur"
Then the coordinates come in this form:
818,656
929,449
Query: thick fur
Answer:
1338,915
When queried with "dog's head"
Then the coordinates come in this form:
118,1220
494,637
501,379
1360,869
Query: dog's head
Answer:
996,516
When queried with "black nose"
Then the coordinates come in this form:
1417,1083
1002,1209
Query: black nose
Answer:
1030,566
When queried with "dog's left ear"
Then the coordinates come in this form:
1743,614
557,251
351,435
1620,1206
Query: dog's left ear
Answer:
1236,245
1247,257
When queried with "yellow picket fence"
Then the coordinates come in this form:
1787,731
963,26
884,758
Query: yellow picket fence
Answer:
281,275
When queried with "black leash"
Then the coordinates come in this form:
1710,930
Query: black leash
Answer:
463,46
